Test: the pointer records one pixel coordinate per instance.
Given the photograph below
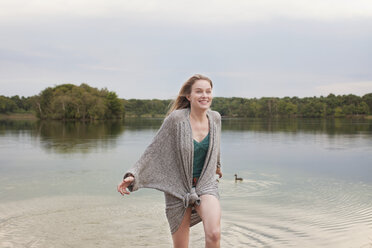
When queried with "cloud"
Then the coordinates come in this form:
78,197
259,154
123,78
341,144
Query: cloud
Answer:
356,88
101,68
145,49
192,11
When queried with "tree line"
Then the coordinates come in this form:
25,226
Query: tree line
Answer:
68,101
330,106
316,107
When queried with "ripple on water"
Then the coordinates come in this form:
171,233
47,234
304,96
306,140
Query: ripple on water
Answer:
314,213
264,212
83,222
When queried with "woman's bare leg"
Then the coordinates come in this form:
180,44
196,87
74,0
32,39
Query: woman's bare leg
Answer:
181,236
210,212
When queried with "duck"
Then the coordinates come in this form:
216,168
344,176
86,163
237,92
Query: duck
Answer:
238,178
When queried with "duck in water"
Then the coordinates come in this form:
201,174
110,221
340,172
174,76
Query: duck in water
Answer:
238,178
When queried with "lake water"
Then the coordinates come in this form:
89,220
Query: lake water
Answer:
307,183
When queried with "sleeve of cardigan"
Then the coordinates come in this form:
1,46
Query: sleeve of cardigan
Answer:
145,159
218,159
219,142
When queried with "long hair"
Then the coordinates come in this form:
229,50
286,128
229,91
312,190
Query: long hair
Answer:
181,101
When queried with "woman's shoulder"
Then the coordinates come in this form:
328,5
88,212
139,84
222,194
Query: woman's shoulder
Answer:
216,115
177,115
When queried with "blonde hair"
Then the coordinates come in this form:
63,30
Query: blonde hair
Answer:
181,101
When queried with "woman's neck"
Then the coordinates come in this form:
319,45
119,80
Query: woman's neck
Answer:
198,114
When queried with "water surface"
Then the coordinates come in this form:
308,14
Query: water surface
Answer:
306,183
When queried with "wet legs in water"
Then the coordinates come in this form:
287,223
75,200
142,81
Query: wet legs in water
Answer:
210,212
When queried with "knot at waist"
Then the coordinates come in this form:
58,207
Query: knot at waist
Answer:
191,198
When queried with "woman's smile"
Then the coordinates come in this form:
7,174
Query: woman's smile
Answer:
204,101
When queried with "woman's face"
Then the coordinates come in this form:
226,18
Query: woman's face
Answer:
201,95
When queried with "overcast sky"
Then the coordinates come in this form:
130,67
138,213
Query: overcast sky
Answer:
146,49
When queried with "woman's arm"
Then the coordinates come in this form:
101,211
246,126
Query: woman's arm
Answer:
148,168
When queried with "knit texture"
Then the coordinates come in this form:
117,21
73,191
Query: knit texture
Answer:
167,165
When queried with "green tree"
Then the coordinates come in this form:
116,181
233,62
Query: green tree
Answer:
68,101
291,109
349,109
339,112
114,106
367,98
7,105
362,109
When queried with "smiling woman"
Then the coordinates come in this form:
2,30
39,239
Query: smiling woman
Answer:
184,170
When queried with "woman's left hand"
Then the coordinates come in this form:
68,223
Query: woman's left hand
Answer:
218,172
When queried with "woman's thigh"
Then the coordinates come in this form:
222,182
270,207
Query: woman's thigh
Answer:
210,212
181,236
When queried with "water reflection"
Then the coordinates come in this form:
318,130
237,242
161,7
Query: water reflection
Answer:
142,123
81,137
54,128
66,137
13,126
86,137
328,126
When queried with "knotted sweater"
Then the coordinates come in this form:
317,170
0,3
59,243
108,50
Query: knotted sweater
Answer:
167,165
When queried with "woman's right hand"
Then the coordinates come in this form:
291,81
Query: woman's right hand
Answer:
122,187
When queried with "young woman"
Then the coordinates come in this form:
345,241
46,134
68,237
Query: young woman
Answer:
182,161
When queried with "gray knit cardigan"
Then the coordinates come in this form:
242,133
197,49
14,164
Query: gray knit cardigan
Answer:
167,163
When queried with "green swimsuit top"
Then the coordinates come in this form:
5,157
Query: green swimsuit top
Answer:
200,152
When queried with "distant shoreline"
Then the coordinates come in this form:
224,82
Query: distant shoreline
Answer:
18,116
86,103
31,116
